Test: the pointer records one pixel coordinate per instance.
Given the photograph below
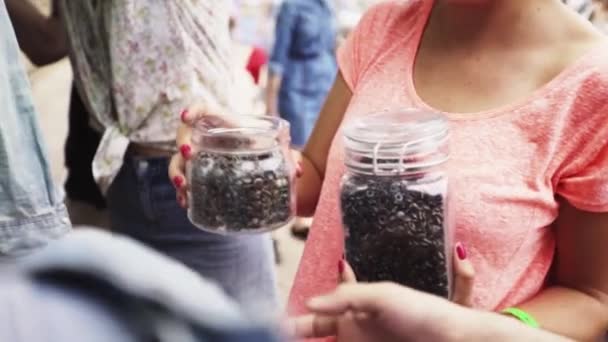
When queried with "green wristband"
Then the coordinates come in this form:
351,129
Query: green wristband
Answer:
523,316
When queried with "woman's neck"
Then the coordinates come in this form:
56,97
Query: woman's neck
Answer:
474,22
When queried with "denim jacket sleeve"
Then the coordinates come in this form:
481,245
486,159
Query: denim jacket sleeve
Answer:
31,208
164,293
283,38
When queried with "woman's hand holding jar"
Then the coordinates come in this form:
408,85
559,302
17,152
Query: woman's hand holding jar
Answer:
240,175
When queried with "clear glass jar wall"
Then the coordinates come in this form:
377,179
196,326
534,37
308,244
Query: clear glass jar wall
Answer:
394,200
242,176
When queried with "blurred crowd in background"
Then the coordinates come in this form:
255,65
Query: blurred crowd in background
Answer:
283,70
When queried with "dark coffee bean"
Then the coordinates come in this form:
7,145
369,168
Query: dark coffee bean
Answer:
229,193
394,233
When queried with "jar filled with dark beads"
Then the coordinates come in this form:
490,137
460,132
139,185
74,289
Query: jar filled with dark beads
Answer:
394,200
241,176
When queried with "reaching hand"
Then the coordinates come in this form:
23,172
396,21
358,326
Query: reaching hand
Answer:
391,313
379,312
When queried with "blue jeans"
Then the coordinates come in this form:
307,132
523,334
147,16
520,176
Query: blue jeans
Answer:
142,204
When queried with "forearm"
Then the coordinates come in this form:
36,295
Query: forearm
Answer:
495,327
308,188
42,39
316,152
570,313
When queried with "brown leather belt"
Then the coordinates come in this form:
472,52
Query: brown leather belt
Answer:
144,151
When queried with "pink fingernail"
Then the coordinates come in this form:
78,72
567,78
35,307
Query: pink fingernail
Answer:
183,115
461,251
178,181
186,151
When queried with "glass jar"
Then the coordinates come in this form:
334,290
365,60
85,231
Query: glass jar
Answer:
242,175
394,200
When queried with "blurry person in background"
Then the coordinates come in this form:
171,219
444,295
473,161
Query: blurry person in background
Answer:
137,65
135,106
251,75
44,41
302,69
302,64
254,57
31,207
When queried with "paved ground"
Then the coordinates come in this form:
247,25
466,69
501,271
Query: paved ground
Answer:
51,87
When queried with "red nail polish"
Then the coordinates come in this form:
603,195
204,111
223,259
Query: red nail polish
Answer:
183,115
186,150
299,169
341,266
178,181
461,252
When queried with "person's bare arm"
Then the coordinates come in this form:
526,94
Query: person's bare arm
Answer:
315,154
577,306
43,39
393,313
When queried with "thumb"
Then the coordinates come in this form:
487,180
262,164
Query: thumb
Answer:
464,277
347,275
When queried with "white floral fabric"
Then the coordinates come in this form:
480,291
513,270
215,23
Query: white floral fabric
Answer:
138,63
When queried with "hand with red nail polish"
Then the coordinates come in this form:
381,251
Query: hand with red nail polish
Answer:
177,168
194,115
463,277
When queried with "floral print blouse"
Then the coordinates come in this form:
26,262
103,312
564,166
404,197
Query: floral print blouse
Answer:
138,63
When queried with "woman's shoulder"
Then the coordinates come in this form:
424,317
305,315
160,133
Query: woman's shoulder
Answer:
579,94
384,27
591,71
391,14
389,23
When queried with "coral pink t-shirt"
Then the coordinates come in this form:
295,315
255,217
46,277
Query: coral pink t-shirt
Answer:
507,165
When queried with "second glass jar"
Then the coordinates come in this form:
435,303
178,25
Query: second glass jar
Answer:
241,175
394,200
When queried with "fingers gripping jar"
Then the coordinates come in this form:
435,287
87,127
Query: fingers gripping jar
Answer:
241,176
394,200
